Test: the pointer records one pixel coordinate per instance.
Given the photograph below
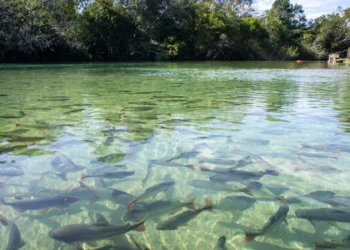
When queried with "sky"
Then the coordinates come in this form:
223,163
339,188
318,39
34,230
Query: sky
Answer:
313,8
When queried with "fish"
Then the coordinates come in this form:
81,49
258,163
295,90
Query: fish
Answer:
156,209
151,191
75,233
9,165
181,219
276,189
342,244
316,195
109,175
15,240
274,221
26,138
6,148
323,214
238,175
218,170
20,115
217,186
311,155
64,165
234,203
220,244
10,172
138,108
171,164
257,141
112,194
328,147
305,166
186,155
36,203
336,201
111,158
73,111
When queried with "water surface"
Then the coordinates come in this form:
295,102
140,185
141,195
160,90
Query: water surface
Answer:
118,117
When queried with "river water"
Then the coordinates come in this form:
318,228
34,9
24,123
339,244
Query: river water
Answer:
287,123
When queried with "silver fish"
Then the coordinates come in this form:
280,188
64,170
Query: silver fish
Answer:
114,195
63,164
15,241
220,244
10,172
151,191
178,220
323,214
40,202
344,243
109,175
274,221
232,203
156,209
217,186
90,232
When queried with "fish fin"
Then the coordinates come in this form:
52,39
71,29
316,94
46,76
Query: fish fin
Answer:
191,167
93,200
208,204
100,220
296,170
83,177
191,203
20,210
249,237
3,220
175,211
285,221
43,212
247,191
130,206
154,196
185,225
23,242
313,223
77,246
92,243
333,223
204,169
316,245
141,228
114,238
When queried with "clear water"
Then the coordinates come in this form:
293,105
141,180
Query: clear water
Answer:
153,111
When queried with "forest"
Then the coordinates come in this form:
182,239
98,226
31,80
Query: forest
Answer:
164,30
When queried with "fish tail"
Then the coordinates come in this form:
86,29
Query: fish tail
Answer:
208,205
190,203
3,220
140,226
249,237
204,169
191,167
3,201
83,177
247,191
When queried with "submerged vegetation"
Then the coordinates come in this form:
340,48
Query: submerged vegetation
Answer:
121,30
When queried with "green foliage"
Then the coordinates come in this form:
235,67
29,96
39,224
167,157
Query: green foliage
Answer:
66,30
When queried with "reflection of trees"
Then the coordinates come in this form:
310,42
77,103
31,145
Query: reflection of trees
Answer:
114,105
280,95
